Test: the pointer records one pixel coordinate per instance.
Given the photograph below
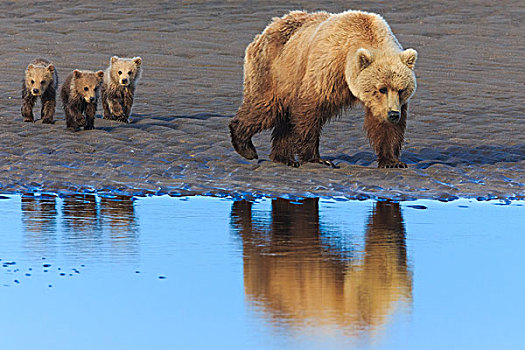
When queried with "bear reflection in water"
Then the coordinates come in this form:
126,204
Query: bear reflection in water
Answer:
298,275
83,219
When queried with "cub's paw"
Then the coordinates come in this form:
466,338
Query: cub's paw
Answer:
28,120
293,163
391,164
325,162
48,121
89,127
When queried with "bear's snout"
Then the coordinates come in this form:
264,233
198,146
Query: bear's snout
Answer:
124,81
35,91
393,116
91,99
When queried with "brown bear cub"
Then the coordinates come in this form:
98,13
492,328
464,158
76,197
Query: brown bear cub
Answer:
41,80
118,90
306,68
79,97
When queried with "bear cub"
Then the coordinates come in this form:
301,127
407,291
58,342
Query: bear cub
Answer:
41,80
79,94
118,89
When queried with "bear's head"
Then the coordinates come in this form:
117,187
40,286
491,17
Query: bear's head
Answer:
38,78
383,82
125,71
86,84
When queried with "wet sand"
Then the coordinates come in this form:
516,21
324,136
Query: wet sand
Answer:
465,134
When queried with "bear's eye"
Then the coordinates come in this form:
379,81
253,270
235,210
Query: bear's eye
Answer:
382,90
43,82
119,72
32,81
401,91
86,88
129,73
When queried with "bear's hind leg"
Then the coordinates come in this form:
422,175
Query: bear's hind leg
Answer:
308,145
248,121
283,145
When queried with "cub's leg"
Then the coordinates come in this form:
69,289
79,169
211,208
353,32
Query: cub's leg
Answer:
28,102
74,118
48,106
91,110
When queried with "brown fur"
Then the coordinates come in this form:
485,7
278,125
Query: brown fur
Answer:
307,68
79,94
118,90
41,80
294,268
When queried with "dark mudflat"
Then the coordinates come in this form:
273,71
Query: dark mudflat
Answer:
464,135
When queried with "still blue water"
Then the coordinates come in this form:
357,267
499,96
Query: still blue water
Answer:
87,272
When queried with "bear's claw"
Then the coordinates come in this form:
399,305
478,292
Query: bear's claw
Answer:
327,163
392,165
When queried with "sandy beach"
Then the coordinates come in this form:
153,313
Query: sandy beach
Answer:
465,134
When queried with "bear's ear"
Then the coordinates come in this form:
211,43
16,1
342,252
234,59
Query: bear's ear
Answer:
364,58
137,60
114,59
31,66
77,74
409,57
100,74
51,68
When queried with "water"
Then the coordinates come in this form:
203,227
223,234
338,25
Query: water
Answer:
87,272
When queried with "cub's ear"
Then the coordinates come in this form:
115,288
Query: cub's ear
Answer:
114,59
51,68
31,66
409,57
137,60
77,73
100,74
364,58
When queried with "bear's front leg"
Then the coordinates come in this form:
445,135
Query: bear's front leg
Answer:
386,138
74,118
105,107
127,104
28,103
91,110
117,111
48,107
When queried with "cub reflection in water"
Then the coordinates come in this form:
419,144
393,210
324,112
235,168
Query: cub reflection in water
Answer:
298,276
39,213
81,215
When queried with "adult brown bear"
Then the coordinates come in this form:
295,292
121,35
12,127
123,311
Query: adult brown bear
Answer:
305,68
